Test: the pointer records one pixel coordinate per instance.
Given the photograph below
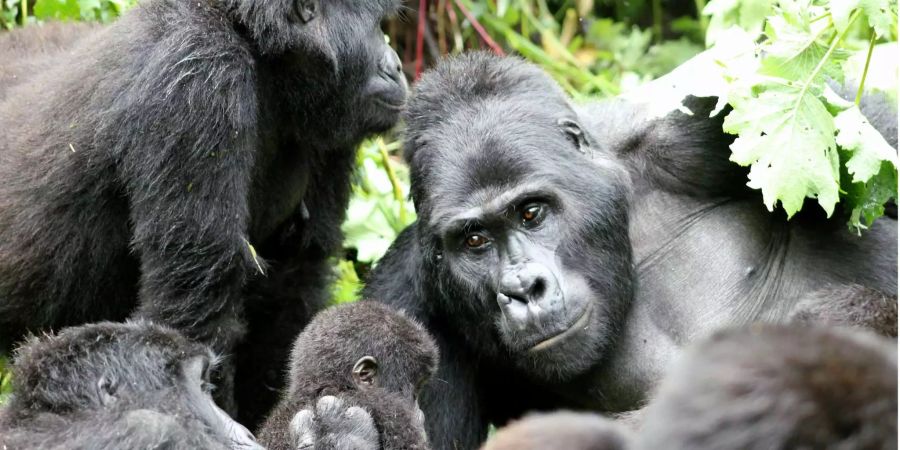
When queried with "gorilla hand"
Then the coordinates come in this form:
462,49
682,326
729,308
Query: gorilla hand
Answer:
333,425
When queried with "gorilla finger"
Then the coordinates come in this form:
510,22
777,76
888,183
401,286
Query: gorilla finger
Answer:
360,423
303,429
329,407
339,442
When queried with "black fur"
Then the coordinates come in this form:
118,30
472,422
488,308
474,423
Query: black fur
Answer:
115,386
644,220
779,386
26,52
322,364
850,305
191,164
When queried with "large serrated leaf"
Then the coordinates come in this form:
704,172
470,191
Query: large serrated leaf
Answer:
786,135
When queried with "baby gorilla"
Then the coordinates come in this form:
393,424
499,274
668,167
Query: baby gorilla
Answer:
113,385
759,387
364,354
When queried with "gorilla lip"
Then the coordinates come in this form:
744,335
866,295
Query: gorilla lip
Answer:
389,105
549,342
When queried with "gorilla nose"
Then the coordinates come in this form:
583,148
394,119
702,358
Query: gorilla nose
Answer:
392,66
527,295
527,285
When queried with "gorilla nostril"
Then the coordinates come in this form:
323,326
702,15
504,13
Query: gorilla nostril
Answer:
537,289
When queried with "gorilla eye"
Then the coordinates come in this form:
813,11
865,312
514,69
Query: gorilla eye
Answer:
475,240
531,213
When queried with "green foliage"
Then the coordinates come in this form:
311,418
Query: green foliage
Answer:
604,58
91,10
379,209
5,380
800,139
793,132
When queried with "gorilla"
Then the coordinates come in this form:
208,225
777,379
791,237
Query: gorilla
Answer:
28,51
365,354
564,430
190,164
851,305
563,254
771,386
763,386
126,385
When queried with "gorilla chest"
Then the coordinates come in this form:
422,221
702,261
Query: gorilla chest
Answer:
702,263
279,186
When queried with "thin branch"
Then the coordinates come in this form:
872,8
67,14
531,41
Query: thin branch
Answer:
479,29
862,80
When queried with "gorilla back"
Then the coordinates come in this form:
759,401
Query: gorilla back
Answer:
172,158
569,252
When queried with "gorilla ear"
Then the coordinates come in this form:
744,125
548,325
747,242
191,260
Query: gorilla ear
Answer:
365,371
578,137
306,9
106,390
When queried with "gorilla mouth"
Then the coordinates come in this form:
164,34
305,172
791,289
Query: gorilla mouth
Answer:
387,104
555,339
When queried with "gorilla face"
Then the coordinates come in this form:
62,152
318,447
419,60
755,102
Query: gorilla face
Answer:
347,37
529,229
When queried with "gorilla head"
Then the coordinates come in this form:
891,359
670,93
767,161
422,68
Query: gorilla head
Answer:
328,49
367,355
517,207
116,385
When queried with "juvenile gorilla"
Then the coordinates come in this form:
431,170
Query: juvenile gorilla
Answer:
109,386
188,157
563,255
364,354
778,386
759,387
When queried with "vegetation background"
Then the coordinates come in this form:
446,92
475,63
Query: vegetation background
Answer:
764,53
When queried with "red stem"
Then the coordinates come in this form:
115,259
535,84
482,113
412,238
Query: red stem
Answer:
420,36
479,29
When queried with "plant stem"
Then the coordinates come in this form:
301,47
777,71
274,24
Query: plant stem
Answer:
24,11
479,29
395,183
862,80
837,39
420,36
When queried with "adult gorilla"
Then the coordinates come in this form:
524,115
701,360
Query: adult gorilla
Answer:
563,255
192,155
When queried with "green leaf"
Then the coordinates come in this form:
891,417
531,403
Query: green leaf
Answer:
866,200
881,14
867,146
57,9
786,135
347,286
793,53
